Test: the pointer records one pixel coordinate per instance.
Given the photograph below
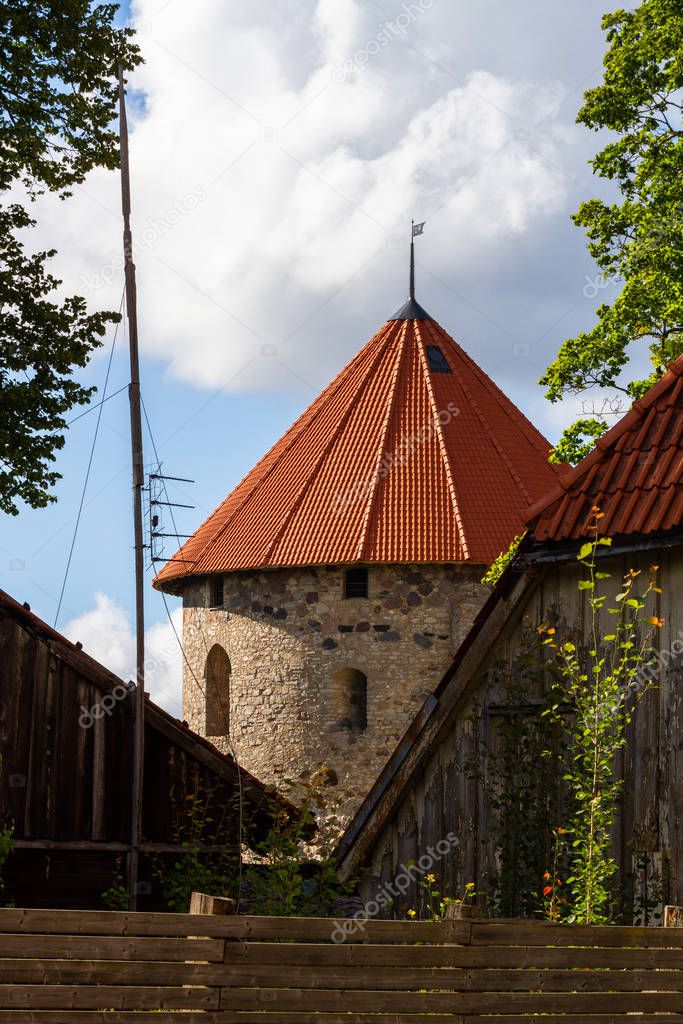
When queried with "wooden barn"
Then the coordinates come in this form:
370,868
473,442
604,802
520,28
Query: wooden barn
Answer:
66,756
474,765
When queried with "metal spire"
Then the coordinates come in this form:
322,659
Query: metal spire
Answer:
412,310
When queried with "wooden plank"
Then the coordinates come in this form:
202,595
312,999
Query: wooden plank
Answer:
277,1017
63,997
105,1017
111,924
378,955
84,947
113,972
574,981
239,1017
106,922
397,979
537,933
443,1002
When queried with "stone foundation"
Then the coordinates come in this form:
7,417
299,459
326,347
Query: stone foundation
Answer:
292,637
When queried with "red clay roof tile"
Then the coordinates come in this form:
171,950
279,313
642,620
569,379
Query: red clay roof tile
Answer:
634,474
393,462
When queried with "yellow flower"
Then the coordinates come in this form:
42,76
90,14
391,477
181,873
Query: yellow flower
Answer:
431,878
412,913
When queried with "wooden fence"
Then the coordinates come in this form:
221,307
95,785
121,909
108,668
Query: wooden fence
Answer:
74,967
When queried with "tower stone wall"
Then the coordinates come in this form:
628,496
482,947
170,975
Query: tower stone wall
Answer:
318,678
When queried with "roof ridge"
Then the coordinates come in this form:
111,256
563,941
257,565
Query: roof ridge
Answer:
367,515
494,440
343,420
457,512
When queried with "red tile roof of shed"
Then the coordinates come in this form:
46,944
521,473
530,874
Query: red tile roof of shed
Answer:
393,462
634,473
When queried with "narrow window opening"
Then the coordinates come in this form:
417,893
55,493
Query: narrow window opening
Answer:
217,681
356,583
436,360
351,699
216,592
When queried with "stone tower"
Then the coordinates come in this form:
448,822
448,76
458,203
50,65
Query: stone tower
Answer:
327,594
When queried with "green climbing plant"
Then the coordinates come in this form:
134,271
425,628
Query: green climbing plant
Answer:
194,868
294,873
602,681
115,896
505,558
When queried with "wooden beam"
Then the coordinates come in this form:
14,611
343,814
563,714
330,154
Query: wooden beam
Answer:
200,903
673,917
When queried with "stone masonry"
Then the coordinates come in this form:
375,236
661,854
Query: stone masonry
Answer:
289,635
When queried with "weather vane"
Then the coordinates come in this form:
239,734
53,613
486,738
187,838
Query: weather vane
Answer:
416,229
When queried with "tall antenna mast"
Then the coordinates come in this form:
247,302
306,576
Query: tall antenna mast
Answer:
138,484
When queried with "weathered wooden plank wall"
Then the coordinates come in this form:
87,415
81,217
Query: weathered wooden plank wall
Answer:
450,792
65,780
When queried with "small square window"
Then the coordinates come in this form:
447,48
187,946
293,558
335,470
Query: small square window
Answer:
436,360
216,596
356,583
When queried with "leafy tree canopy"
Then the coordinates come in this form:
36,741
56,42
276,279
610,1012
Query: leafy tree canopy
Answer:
58,95
639,239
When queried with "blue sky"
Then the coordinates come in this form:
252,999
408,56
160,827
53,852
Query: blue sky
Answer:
278,154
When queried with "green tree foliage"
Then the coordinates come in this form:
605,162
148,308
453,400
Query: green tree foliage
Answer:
58,93
637,240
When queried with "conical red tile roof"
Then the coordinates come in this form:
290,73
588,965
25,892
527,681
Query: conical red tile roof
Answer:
396,461
634,474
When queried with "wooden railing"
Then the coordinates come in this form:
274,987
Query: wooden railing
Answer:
69,967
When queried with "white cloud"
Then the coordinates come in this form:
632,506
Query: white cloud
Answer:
106,634
304,180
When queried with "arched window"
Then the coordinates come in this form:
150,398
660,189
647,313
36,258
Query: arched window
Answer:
351,700
217,681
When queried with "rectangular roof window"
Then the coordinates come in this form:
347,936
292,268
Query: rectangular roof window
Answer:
437,360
